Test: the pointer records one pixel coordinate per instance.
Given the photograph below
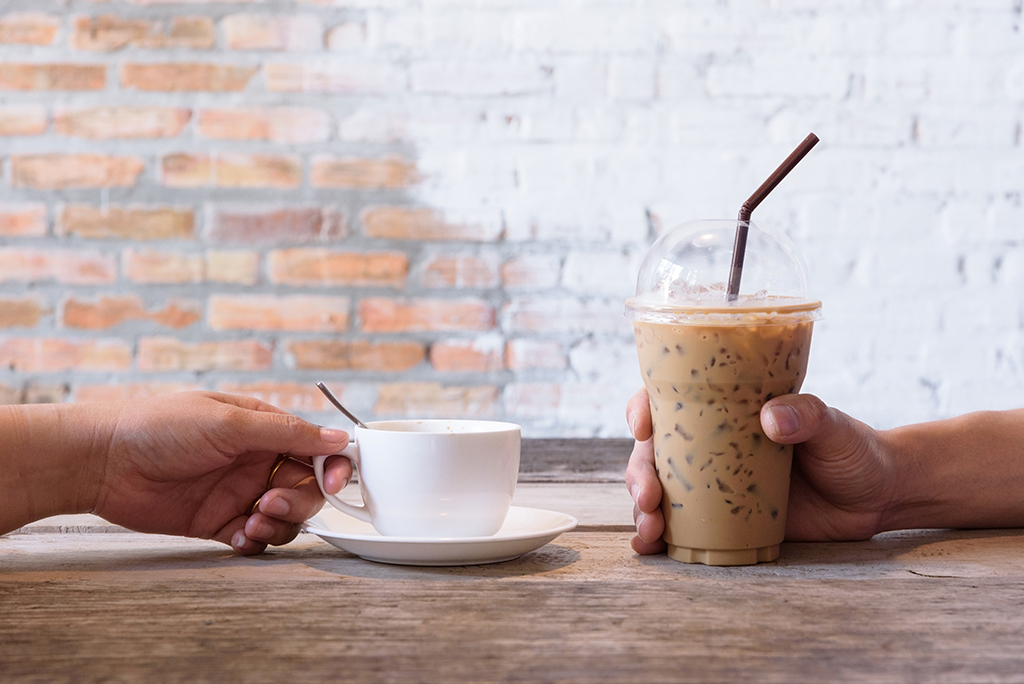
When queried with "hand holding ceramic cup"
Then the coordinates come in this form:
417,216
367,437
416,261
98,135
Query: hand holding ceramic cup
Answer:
432,478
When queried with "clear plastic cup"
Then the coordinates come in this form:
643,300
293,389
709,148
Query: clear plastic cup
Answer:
709,365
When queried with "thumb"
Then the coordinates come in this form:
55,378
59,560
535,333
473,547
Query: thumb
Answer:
284,433
829,434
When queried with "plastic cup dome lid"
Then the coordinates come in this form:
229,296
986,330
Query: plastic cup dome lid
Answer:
684,275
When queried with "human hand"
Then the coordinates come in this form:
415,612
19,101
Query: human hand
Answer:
193,463
842,486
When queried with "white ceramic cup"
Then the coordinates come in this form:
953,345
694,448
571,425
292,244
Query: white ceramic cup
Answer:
432,478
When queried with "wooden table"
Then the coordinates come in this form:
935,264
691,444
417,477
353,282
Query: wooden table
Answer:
81,600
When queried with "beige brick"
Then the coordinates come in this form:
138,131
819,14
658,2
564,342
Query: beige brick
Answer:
528,354
404,223
532,400
149,266
356,77
101,123
232,170
564,315
186,76
28,28
170,354
16,76
71,267
266,312
57,171
22,220
108,32
131,391
302,266
431,400
276,124
131,222
385,315
275,225
359,355
111,311
460,271
47,355
287,396
21,313
362,174
467,356
22,120
273,32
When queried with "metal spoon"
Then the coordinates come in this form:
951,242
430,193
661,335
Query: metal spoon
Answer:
334,400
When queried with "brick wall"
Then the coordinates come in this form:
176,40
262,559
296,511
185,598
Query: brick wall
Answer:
438,206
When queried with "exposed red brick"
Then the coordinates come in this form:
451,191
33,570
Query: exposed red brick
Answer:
304,266
42,355
170,354
232,170
134,223
57,171
22,120
431,400
266,312
186,76
403,223
21,313
276,124
379,314
28,28
532,271
108,312
72,267
287,396
527,354
273,32
360,355
362,174
460,271
16,76
462,356
131,391
108,32
101,123
22,220
268,226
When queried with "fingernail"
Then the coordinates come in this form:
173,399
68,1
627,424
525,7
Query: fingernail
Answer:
640,520
239,541
632,424
262,532
276,507
786,419
634,491
333,435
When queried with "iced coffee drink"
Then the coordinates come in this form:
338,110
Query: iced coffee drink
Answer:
725,483
710,361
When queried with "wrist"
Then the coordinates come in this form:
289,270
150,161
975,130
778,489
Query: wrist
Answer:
53,458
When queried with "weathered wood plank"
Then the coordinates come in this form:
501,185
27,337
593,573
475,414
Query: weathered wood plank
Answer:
924,606
574,460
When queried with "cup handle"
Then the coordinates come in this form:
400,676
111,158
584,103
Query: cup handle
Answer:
352,453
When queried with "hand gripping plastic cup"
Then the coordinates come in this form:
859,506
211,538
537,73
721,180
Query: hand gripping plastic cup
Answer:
709,364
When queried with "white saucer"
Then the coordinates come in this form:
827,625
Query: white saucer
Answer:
525,529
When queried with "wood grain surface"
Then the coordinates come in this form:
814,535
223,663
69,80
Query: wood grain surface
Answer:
928,606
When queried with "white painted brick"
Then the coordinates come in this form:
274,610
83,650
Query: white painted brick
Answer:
583,78
631,78
347,36
597,360
601,273
481,78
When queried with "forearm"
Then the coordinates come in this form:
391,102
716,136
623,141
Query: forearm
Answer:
51,456
965,472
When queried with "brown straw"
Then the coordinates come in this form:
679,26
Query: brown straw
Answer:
739,247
